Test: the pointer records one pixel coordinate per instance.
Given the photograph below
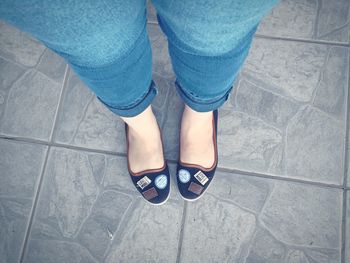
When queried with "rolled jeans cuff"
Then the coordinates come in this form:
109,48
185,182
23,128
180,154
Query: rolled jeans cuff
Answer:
203,80
200,105
138,106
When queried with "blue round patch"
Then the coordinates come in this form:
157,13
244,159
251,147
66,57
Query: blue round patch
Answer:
161,181
184,176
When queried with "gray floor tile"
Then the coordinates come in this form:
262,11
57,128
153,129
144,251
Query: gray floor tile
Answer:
31,83
89,209
19,47
84,121
20,168
300,71
31,105
151,12
286,115
318,20
52,66
151,235
9,73
171,128
262,220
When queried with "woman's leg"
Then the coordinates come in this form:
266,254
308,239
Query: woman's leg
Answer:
208,43
106,44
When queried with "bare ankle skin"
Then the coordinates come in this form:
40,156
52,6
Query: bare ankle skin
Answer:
145,146
196,141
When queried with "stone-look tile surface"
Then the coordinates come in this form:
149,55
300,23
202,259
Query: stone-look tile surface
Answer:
246,142
89,209
20,169
316,19
151,12
19,47
314,147
84,121
260,220
30,85
171,128
286,115
300,71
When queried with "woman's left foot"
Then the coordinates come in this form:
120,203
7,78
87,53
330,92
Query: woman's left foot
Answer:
198,153
196,138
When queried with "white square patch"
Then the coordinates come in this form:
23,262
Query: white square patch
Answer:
142,183
201,177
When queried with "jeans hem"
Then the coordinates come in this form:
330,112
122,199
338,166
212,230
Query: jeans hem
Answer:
136,108
202,106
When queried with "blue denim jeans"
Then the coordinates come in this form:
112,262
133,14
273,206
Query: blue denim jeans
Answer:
106,44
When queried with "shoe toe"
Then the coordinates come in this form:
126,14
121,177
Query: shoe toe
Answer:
154,187
193,182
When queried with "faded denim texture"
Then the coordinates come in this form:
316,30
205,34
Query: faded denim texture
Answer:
107,45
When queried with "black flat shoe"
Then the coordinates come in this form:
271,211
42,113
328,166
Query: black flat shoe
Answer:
192,179
153,184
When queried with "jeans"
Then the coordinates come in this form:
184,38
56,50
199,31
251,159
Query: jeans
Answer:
106,43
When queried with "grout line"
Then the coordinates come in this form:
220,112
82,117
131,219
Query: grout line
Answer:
60,102
222,169
62,145
280,178
346,168
303,40
179,248
33,208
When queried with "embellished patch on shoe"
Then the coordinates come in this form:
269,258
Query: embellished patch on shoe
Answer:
195,188
143,182
201,177
161,181
150,193
184,176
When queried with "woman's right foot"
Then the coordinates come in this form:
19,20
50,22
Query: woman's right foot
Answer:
145,144
148,170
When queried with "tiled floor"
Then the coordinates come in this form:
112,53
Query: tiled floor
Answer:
281,189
